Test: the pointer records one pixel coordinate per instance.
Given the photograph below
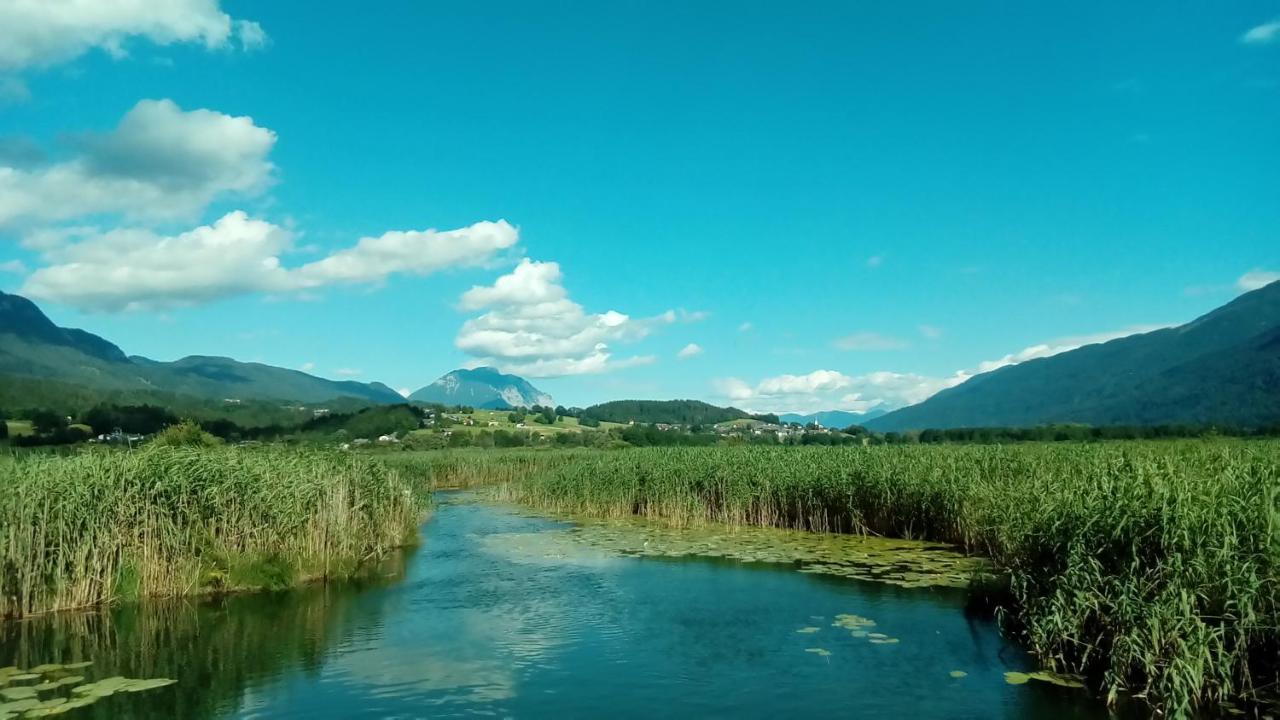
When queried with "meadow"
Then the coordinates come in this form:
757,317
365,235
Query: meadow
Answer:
101,526
1150,568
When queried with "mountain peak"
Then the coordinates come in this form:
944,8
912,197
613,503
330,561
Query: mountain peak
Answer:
482,387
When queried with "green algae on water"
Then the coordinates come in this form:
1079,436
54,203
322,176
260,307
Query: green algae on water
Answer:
904,563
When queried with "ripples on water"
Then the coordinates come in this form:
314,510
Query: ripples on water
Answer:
496,615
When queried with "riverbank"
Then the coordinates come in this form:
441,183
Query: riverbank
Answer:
99,527
1153,569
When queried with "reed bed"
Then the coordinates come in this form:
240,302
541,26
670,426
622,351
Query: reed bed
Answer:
168,521
1151,568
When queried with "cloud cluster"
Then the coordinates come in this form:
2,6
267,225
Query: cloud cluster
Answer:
829,389
529,326
1255,279
1263,34
160,163
139,269
832,390
37,33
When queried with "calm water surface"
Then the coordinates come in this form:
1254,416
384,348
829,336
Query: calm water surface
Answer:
463,626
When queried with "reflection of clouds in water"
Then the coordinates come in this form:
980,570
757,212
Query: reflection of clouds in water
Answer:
524,597
551,547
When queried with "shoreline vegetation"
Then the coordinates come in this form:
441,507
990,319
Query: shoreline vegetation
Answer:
185,516
1151,569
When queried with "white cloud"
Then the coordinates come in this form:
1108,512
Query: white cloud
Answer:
404,392
1255,279
875,261
832,390
1262,34
412,252
43,32
1059,345
688,351
138,269
307,367
933,332
746,327
160,162
531,327
348,372
16,267
870,341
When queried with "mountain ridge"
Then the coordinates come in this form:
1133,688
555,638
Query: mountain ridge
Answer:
32,345
1222,367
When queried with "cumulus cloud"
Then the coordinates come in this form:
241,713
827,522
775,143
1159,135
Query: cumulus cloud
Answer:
16,267
348,372
530,326
139,269
160,162
1255,279
1263,34
833,390
688,351
829,389
35,33
307,367
870,341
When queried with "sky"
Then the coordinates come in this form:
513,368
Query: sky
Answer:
781,206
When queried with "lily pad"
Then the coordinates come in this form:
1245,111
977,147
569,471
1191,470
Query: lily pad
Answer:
1068,681
1016,678
808,630
957,674
21,692
822,652
884,641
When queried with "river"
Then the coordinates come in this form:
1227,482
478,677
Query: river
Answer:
479,621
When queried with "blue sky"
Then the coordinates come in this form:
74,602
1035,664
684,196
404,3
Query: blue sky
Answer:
840,204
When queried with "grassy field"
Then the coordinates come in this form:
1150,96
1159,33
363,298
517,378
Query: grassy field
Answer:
100,526
1153,569
19,427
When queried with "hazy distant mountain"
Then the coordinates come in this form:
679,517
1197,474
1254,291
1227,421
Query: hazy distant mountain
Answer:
32,346
834,418
483,387
1221,368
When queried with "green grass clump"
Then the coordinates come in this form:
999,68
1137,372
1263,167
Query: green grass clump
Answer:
184,519
1153,568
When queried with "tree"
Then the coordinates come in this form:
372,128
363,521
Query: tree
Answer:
45,422
515,417
4,428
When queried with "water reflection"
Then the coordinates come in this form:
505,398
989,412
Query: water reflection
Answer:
496,614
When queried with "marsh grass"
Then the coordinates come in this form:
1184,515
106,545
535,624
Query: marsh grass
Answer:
168,521
1153,569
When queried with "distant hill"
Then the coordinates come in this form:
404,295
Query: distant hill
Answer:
675,412
483,387
1222,368
834,418
32,346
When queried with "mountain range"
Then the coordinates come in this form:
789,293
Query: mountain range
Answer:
31,345
1221,368
482,387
